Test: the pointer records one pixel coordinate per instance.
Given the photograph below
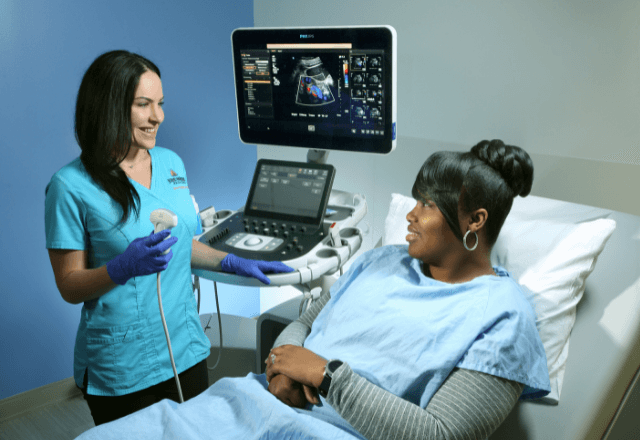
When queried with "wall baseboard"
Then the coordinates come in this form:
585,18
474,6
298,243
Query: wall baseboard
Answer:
52,393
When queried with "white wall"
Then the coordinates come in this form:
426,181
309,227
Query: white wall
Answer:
559,79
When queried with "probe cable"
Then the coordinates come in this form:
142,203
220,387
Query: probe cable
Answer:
166,332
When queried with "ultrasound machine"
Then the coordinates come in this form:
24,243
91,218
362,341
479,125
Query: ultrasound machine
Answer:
323,89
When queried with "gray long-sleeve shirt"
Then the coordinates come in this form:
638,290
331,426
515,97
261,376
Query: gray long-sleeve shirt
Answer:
468,405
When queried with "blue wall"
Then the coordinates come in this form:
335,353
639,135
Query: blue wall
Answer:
45,47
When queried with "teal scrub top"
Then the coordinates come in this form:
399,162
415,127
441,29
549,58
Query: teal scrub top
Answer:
120,342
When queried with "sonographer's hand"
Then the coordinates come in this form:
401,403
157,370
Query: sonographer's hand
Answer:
253,268
143,256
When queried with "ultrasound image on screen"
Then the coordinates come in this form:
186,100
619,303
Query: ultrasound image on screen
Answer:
308,87
314,82
289,190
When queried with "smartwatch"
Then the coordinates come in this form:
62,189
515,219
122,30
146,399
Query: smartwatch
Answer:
329,369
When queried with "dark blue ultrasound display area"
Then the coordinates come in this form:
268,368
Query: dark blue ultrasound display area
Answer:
322,88
290,191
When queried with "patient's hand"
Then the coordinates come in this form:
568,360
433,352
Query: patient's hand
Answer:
290,392
297,363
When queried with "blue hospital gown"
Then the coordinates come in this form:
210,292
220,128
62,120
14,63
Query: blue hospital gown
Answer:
405,332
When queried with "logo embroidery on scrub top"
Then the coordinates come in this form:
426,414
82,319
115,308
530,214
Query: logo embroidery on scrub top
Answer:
176,180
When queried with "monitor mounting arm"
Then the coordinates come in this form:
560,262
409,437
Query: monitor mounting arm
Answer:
317,156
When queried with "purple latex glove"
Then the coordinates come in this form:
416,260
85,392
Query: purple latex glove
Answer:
143,256
253,268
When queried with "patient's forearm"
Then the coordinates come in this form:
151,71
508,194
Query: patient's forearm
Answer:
468,405
294,334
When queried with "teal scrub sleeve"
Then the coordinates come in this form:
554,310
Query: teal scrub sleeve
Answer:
64,217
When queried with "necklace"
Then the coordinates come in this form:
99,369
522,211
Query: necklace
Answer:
131,166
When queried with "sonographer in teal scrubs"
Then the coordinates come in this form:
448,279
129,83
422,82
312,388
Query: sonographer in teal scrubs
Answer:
104,253
120,338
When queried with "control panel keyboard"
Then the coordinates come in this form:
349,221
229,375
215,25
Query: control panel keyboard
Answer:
263,239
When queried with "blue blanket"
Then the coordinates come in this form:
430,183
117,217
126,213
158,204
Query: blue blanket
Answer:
399,329
232,408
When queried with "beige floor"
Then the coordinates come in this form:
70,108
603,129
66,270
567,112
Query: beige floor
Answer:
57,421
68,418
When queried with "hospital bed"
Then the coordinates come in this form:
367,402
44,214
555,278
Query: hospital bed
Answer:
588,317
595,374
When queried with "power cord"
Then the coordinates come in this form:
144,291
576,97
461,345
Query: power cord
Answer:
215,288
196,285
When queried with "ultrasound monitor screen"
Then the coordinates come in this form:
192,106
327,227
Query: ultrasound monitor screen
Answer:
323,88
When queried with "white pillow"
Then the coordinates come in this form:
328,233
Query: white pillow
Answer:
542,208
550,252
395,225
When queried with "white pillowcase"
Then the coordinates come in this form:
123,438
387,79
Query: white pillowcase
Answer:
549,247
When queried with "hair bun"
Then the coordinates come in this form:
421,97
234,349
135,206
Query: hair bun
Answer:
513,164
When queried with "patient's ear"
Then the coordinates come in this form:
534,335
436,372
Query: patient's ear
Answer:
476,220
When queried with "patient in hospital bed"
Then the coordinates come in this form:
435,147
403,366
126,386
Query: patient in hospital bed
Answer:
429,340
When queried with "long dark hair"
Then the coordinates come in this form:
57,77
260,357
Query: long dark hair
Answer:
490,176
103,122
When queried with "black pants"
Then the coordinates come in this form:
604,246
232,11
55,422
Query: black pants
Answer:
105,409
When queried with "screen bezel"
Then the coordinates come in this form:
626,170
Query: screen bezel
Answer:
361,38
317,219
